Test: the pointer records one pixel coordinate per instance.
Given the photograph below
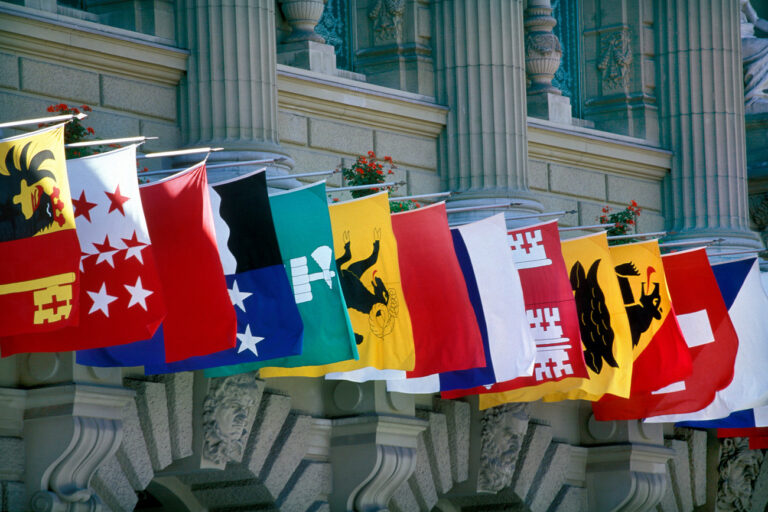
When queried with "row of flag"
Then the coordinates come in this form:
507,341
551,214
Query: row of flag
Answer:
180,275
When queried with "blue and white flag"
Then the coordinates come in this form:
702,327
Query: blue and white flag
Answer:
496,295
747,303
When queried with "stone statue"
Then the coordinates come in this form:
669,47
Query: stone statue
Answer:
755,55
503,429
738,468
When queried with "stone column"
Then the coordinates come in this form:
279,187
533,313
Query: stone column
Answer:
229,97
702,119
480,75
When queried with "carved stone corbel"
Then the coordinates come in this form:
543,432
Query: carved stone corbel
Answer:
69,431
503,429
371,457
738,469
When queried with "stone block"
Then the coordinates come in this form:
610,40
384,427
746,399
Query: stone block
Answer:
436,443
570,499
133,454
576,182
312,482
679,469
273,411
589,213
457,416
403,500
17,106
532,452
308,160
169,135
12,458
421,483
238,494
555,203
292,128
113,487
553,107
550,477
419,182
13,497
152,405
697,451
59,82
649,222
538,175
623,190
108,125
289,449
140,97
178,389
407,150
10,75
668,502
343,138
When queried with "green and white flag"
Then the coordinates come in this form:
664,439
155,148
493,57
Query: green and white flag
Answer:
303,228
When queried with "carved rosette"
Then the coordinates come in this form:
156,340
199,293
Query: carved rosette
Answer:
738,468
229,410
503,429
542,47
303,16
387,19
615,58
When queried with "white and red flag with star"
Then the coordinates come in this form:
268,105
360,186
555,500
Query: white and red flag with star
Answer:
120,296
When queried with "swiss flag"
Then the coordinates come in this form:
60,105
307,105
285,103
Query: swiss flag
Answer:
120,296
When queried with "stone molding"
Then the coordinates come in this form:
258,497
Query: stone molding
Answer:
373,106
91,46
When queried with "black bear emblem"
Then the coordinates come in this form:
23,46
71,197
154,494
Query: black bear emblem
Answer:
642,312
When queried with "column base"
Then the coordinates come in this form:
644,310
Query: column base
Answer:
524,203
733,240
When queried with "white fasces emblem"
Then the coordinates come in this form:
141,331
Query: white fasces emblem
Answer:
302,279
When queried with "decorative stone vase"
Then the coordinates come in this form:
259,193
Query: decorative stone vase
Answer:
303,16
542,47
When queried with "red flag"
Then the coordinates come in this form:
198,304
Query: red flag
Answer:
39,251
120,296
201,319
445,332
742,432
711,342
551,311
758,442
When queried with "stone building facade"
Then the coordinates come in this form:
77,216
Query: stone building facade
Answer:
550,104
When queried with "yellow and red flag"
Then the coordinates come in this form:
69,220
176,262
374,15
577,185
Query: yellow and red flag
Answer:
39,250
605,331
369,272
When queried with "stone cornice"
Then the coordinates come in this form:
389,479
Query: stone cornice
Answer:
88,45
317,95
593,149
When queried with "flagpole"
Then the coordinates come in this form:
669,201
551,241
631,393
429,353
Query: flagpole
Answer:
481,207
420,196
547,214
301,175
638,235
103,142
366,187
591,226
501,205
40,120
708,241
177,152
218,166
736,253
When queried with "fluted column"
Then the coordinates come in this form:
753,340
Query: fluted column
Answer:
229,98
480,73
702,118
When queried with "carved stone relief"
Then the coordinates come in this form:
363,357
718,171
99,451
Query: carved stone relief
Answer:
229,410
387,18
738,468
758,210
503,429
615,58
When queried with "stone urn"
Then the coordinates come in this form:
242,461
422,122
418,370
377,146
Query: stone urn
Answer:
303,16
542,48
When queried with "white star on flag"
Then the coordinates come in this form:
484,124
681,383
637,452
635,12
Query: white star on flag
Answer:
248,341
138,294
237,297
101,300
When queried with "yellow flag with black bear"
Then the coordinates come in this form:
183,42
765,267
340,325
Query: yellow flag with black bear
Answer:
605,333
368,269
39,250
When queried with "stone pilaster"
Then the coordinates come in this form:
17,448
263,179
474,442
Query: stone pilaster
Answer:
480,68
229,97
702,118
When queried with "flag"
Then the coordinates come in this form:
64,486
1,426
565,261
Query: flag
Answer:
550,314
708,332
120,295
369,273
39,250
494,289
268,321
200,318
304,234
740,286
605,333
748,418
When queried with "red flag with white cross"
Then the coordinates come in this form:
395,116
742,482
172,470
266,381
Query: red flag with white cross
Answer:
120,296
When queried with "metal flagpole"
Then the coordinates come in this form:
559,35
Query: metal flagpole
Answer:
216,166
469,208
103,142
39,120
685,243
760,254
366,187
302,175
591,226
421,196
638,235
481,207
547,214
177,152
